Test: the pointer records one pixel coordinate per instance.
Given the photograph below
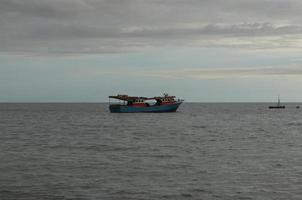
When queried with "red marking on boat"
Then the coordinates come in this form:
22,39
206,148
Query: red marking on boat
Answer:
139,104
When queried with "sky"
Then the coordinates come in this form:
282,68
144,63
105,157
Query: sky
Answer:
198,50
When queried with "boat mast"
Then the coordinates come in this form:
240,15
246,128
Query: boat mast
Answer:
278,100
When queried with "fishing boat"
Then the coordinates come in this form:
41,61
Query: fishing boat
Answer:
278,106
134,104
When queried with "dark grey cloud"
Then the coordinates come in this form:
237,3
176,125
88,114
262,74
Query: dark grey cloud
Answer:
45,9
119,25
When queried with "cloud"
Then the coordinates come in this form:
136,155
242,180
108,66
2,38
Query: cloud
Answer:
42,8
195,74
212,30
219,73
105,26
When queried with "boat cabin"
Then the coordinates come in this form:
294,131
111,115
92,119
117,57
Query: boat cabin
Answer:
144,101
137,102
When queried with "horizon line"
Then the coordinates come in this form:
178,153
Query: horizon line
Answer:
103,102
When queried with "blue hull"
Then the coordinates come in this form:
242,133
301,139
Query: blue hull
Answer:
133,109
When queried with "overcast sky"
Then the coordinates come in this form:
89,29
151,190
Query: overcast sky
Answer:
200,50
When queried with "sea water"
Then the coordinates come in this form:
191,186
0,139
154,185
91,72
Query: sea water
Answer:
203,151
